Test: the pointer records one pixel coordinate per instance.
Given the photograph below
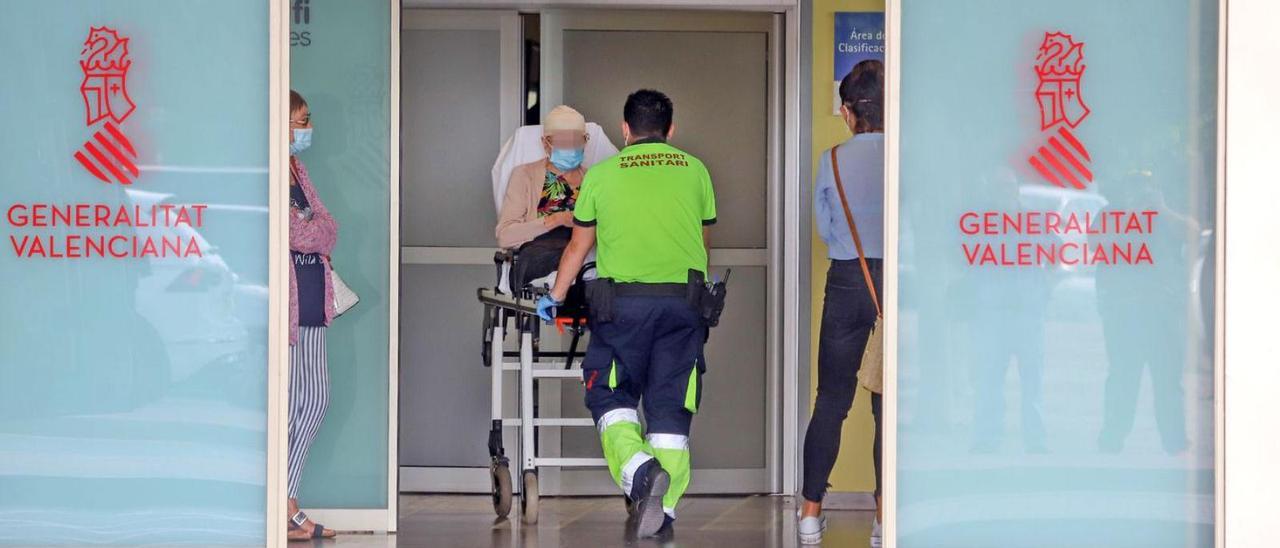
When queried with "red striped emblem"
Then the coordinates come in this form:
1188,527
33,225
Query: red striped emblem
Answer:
109,152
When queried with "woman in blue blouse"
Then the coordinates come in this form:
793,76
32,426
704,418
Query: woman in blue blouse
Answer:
848,312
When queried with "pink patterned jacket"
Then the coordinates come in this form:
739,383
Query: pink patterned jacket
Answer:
315,235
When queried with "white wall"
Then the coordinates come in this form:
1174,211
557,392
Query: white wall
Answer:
1252,350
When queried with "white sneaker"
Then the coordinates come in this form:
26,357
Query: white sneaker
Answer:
811,528
876,534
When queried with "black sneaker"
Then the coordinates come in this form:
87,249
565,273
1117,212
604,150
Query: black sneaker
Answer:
648,487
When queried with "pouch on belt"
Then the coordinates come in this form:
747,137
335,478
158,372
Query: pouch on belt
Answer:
600,294
707,298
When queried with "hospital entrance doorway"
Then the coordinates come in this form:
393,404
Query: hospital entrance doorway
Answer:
469,79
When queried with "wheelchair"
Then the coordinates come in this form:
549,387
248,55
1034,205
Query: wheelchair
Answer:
510,307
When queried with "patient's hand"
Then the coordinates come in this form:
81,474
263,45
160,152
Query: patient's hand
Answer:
563,218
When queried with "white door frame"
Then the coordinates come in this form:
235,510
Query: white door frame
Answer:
278,265
393,255
787,302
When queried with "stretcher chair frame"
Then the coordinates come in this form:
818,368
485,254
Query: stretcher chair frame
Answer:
533,365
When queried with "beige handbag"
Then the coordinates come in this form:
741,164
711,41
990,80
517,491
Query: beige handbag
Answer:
871,371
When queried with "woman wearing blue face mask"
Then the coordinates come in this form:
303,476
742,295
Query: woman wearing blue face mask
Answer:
313,232
537,211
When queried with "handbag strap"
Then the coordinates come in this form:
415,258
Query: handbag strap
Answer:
853,229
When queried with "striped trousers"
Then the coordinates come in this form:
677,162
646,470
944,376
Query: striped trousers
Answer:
308,397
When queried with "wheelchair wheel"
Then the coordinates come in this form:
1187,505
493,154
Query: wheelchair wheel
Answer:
529,497
501,477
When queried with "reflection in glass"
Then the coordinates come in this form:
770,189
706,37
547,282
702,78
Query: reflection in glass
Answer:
1144,331
1005,327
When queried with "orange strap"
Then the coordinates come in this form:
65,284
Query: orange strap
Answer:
567,321
853,229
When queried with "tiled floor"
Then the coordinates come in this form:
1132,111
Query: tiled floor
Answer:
715,522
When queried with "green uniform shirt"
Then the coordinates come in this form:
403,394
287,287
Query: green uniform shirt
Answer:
648,203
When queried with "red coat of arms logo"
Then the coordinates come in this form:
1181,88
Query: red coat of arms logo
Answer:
108,155
1060,68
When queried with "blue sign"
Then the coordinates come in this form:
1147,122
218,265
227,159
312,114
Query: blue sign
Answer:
859,36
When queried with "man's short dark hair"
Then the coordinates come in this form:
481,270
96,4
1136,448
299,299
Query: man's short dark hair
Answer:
648,112
862,91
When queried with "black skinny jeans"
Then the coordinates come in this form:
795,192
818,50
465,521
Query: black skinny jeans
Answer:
848,315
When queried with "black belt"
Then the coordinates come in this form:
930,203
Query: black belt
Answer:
650,290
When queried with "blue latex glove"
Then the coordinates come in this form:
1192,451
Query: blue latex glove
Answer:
547,308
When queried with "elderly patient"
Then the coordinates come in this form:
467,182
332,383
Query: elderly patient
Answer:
537,211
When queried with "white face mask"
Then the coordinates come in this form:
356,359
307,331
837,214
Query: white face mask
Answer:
566,159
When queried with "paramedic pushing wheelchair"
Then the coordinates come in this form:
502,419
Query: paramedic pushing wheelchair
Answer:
646,210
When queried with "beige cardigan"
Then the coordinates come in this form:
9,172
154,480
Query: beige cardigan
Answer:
518,221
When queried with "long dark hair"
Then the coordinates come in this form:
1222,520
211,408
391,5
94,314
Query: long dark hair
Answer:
862,92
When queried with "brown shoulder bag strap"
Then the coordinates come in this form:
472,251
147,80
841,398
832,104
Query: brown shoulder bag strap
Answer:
853,229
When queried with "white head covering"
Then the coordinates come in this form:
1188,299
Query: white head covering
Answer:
564,118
